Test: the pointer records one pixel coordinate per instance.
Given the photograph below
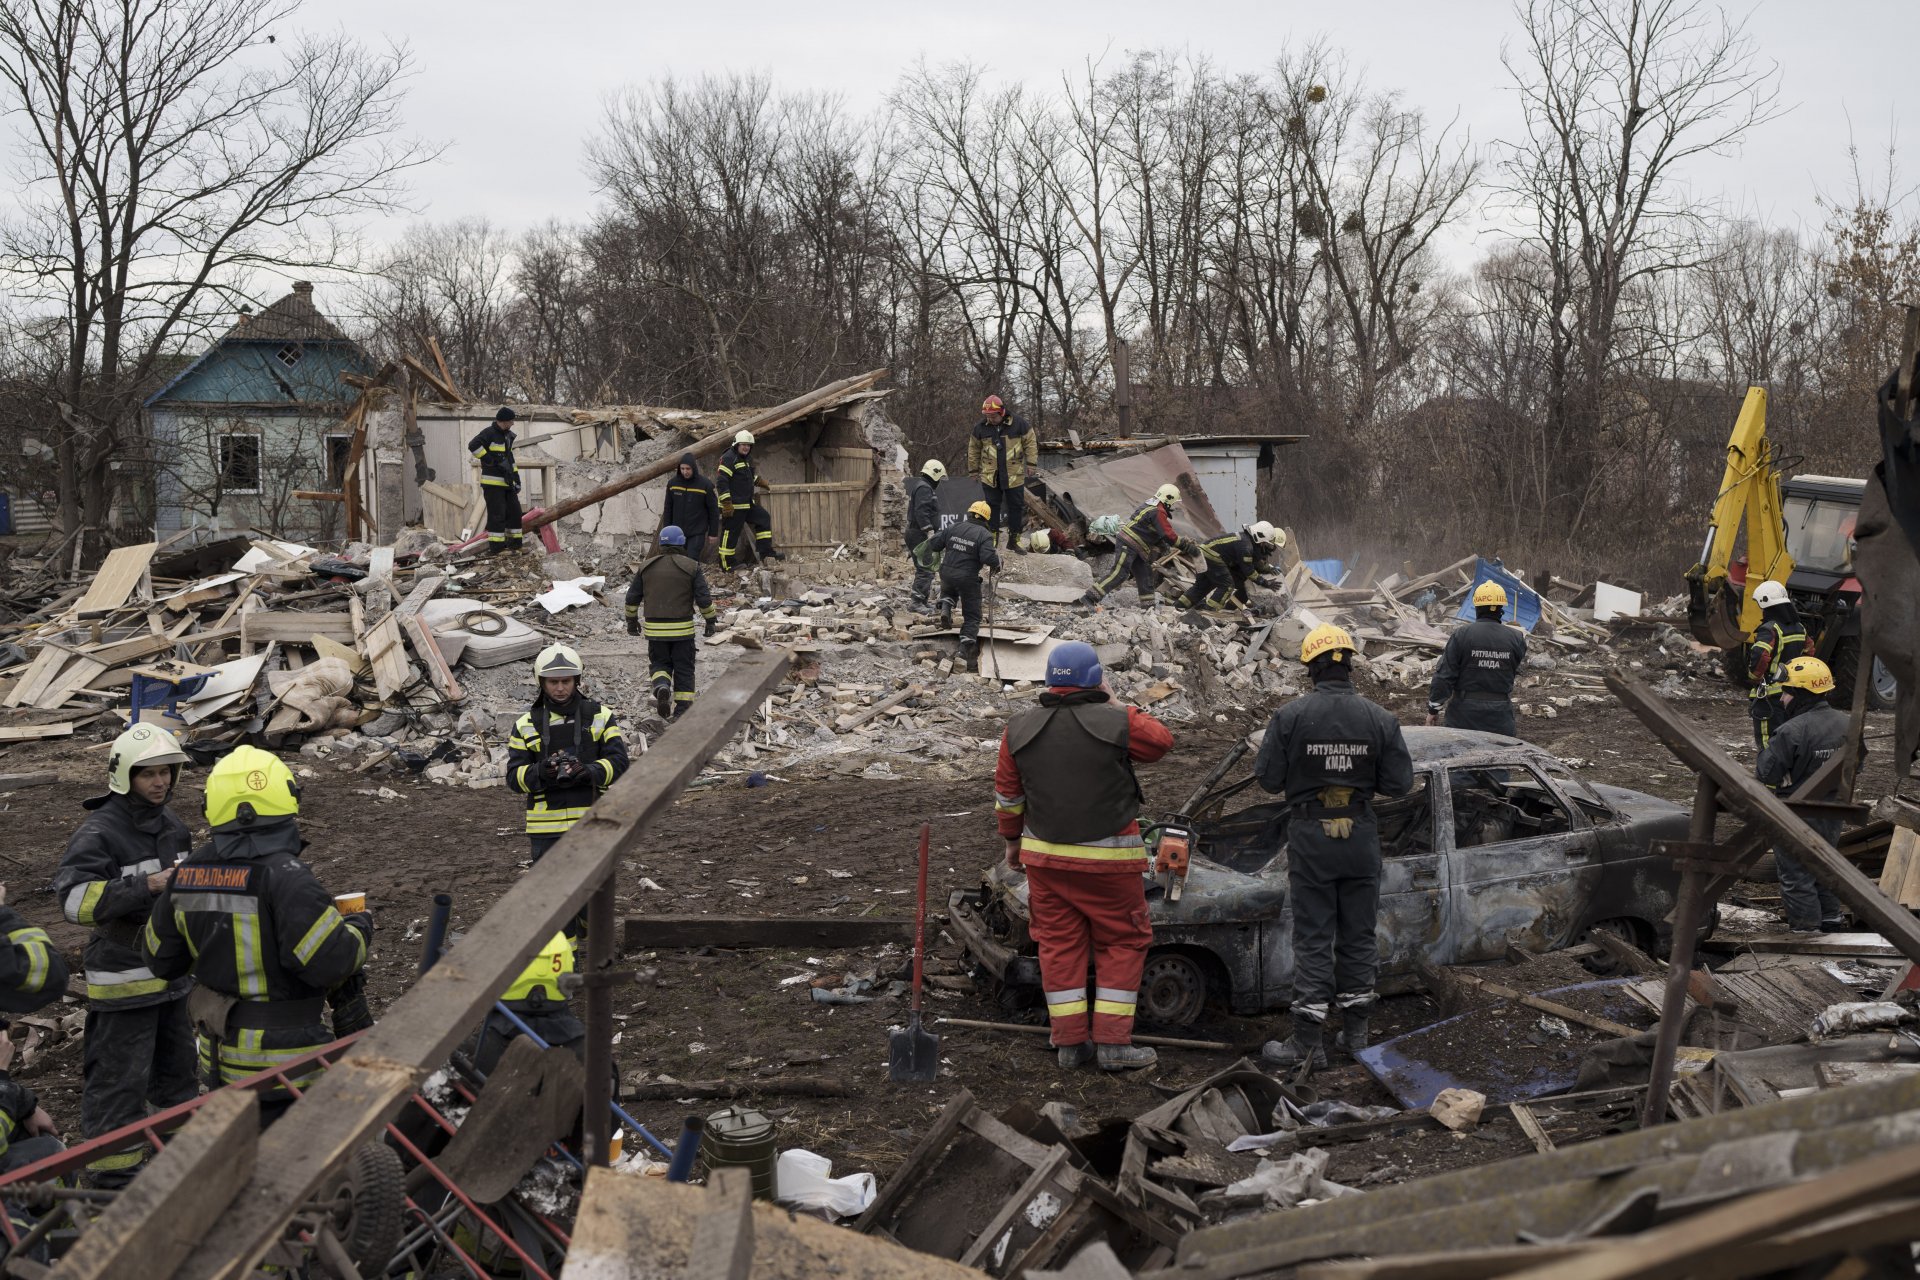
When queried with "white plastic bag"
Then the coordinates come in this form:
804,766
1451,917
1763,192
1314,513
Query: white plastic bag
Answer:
801,1177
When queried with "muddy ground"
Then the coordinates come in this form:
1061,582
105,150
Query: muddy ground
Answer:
772,851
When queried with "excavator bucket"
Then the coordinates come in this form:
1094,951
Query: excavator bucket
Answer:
1713,612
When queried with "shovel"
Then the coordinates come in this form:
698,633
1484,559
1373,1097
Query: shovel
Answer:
913,1053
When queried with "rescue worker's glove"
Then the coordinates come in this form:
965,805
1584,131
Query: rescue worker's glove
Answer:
1336,798
1188,547
712,626
363,921
726,509
562,769
633,624
347,1003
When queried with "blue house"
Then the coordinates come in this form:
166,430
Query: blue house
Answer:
255,419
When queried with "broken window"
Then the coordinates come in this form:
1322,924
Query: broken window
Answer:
290,354
339,450
1493,805
1405,822
239,462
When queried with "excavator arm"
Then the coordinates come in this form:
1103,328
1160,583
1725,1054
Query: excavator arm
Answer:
1720,613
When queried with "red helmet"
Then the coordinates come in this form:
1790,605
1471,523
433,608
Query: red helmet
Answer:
992,405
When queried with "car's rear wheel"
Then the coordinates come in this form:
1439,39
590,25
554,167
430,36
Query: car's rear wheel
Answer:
1173,990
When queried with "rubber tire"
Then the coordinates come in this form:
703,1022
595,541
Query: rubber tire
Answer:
1845,665
1187,1010
377,1184
1876,700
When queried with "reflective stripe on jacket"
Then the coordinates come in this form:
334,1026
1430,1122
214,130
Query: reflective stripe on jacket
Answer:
582,727
493,448
102,883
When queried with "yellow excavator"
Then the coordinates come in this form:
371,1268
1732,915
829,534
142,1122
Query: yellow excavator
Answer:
1799,532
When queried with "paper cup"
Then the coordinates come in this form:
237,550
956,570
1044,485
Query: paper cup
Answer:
615,1145
349,903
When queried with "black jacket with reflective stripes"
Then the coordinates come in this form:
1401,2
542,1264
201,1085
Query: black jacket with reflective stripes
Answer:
735,478
1072,753
102,882
1796,750
33,974
672,586
1333,737
923,511
691,504
1482,658
965,548
494,448
582,727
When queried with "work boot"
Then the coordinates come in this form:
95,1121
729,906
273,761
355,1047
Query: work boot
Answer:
923,608
946,615
776,555
1352,1036
1149,599
663,700
1091,597
1016,546
1124,1057
1302,1046
1074,1056
970,654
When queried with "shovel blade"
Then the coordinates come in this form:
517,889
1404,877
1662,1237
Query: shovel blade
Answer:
913,1054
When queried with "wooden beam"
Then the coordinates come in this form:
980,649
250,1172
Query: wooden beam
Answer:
668,933
767,420
849,723
1743,791
355,1098
148,1229
431,378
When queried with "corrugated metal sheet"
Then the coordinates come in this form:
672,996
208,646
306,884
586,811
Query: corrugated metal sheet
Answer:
1118,486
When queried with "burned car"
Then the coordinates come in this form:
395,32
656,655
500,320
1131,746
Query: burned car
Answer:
1497,843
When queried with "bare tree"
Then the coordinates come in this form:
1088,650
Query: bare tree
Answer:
169,154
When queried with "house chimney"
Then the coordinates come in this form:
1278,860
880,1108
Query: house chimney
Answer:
303,286
246,314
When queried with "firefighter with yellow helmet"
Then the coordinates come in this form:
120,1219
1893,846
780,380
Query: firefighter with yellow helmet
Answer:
1810,731
539,999
565,751
257,930
1474,681
139,1040
965,549
1329,753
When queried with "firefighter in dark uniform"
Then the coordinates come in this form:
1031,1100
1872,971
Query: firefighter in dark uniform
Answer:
33,975
499,481
564,751
258,932
923,518
1779,639
1811,730
965,548
1231,562
1144,537
1068,807
538,999
1329,753
691,507
1001,452
1478,667
139,1039
740,509
671,585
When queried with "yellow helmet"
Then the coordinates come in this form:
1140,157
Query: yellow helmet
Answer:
1325,638
558,660
1167,495
1810,674
934,470
554,959
1489,594
137,748
982,510
248,783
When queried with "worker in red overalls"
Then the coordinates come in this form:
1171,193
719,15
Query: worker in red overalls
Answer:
1068,806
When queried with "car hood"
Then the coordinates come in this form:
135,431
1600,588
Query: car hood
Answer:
1213,895
1637,805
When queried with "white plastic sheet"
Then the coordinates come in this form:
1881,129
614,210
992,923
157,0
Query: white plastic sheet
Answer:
802,1177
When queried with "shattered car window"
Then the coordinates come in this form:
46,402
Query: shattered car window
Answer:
1580,789
1406,822
1494,805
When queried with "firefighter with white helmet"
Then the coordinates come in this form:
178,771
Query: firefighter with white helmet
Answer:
139,1040
1230,562
1329,753
743,521
1778,640
1474,682
1810,731
1145,536
923,521
565,750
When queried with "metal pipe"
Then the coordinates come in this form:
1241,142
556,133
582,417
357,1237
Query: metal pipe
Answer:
437,922
686,1149
597,1129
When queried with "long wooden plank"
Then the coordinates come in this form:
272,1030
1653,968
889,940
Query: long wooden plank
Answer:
116,578
391,670
40,673
415,628
665,933
1744,792
82,673
148,1229
353,1099
34,732
291,627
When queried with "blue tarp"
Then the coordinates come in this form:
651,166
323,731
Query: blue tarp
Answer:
1523,606
1328,571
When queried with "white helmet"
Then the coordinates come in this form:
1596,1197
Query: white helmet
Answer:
1266,535
934,470
558,660
1167,495
137,748
1769,594
743,437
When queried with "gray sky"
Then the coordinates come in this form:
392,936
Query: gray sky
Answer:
515,87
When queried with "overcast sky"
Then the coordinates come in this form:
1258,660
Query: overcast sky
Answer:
514,87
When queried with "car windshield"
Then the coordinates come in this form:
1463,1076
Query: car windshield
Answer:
1580,789
1495,804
